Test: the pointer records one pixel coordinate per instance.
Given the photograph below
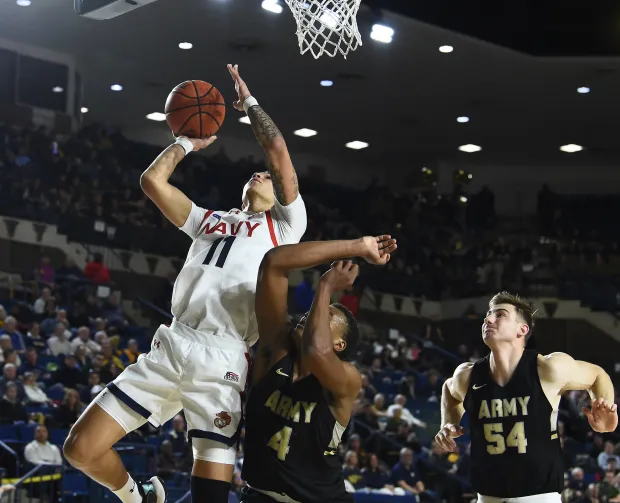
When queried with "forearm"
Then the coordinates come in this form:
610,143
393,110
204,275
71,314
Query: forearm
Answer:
602,387
452,410
283,175
164,165
312,254
317,334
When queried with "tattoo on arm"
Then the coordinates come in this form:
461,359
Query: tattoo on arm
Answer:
264,128
278,183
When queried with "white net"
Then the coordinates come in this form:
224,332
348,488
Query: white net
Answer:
326,26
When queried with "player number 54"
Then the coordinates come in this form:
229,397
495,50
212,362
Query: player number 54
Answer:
497,443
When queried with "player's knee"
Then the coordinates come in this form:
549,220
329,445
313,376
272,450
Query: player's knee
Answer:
77,450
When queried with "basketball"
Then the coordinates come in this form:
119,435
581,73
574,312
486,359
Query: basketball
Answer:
195,109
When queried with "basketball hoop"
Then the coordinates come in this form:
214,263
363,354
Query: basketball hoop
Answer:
326,26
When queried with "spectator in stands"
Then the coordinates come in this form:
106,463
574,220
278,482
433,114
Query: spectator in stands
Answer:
131,353
93,310
31,364
10,329
431,390
11,408
40,451
69,271
406,415
45,272
407,386
70,409
376,479
369,390
176,435
462,467
2,315
41,302
78,316
82,361
351,301
34,339
9,375
355,444
405,476
69,375
83,338
113,311
59,343
304,293
34,394
606,455
351,472
608,488
49,324
109,357
10,356
577,488
166,461
96,271
86,393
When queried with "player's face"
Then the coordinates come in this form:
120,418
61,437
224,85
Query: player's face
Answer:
260,187
502,323
337,323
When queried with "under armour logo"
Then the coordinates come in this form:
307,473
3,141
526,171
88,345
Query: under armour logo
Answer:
134,486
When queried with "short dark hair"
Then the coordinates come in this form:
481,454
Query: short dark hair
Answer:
351,336
524,308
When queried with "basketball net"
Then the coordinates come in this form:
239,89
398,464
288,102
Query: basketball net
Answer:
326,26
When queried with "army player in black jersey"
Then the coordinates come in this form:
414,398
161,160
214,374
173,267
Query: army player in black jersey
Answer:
511,397
302,389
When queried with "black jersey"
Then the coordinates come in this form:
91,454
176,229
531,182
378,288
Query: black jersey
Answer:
291,438
515,449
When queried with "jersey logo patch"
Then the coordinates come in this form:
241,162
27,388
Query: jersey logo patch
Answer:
329,453
279,372
474,387
217,216
222,419
231,376
156,344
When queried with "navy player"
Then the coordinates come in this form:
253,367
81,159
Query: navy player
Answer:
302,388
200,363
511,397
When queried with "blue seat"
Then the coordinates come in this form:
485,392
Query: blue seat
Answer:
58,436
8,432
56,393
26,432
155,441
75,484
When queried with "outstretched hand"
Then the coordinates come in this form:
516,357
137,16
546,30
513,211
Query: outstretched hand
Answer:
602,416
242,89
378,249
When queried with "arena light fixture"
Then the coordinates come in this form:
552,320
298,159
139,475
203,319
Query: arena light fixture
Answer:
571,148
327,83
272,6
245,120
156,116
446,49
470,148
356,145
463,199
116,87
463,119
185,45
84,110
583,90
305,132
23,3
57,89
382,33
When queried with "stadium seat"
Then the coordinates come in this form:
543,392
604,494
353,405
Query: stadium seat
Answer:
8,432
26,432
75,484
58,436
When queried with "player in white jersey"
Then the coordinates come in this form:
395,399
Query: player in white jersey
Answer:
200,363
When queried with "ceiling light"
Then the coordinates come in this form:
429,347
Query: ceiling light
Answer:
356,145
116,87
462,119
382,33
583,90
245,120
84,110
469,148
58,89
23,3
571,148
305,132
272,6
463,199
186,45
446,49
156,116
327,83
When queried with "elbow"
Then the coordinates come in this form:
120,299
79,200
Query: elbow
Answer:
270,261
147,183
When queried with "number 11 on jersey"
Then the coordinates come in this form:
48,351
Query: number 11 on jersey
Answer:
221,260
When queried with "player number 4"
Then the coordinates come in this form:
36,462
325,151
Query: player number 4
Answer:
279,442
497,444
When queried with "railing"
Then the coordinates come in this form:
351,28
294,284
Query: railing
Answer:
13,454
38,484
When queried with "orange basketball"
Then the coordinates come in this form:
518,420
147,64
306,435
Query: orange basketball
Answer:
195,109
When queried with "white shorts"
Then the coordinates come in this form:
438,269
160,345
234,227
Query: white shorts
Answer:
203,374
534,498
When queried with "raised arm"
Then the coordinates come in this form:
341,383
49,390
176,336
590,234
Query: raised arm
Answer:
565,373
452,397
272,286
283,175
175,205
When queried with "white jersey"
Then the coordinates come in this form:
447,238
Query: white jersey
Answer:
215,290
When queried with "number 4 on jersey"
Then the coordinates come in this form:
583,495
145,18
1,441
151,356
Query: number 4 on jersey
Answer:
279,442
